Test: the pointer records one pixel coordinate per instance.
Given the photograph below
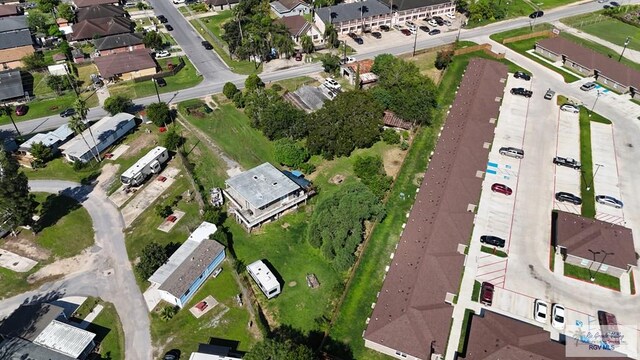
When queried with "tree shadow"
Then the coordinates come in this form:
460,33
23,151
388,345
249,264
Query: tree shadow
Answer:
54,208
327,347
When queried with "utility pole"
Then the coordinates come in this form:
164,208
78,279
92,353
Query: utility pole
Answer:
155,84
626,43
595,102
415,41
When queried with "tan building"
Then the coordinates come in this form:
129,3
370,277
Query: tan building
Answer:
12,58
127,65
116,44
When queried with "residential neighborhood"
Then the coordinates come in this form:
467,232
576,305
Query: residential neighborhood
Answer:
262,180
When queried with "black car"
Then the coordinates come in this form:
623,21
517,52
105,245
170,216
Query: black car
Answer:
358,40
522,75
434,32
162,19
384,28
522,92
614,4
425,28
568,197
207,45
376,35
161,82
492,240
439,21
352,35
68,112
169,27
436,18
568,162
536,14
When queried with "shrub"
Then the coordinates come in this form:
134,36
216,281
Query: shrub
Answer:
163,210
404,145
391,136
307,168
290,153
276,87
239,100
230,90
443,59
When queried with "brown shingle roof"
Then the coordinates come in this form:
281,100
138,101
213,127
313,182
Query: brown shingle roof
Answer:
85,3
8,55
295,24
87,29
592,60
8,10
497,337
392,120
290,4
410,312
365,66
578,234
125,62
99,11
221,2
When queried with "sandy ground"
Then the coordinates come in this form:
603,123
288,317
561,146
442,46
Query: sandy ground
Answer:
107,175
78,263
25,247
144,140
392,161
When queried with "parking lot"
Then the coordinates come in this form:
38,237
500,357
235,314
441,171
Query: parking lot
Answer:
568,146
605,169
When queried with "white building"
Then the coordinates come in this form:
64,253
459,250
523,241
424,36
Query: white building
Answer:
284,8
52,139
214,352
106,131
189,267
265,279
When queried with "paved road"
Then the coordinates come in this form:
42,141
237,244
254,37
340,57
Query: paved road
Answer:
216,73
109,277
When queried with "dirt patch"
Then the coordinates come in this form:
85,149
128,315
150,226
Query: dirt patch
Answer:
392,160
292,283
78,263
337,179
24,245
417,179
285,225
147,138
107,176
158,349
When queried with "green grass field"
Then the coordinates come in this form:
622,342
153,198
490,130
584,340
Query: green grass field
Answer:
606,28
294,83
184,79
60,170
584,274
229,128
588,196
109,333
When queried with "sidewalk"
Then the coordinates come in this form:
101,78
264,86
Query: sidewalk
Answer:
630,54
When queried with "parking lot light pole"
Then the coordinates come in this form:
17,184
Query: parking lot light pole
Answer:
603,259
415,41
593,277
595,102
626,43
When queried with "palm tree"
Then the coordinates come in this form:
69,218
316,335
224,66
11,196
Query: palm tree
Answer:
77,125
307,44
81,108
330,35
8,110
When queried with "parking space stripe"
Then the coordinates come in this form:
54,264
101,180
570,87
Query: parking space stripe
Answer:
493,263
615,157
491,272
497,277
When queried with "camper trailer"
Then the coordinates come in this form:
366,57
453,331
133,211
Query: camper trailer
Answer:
149,164
264,278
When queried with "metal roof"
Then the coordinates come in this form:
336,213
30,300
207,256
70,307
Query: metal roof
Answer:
20,349
262,273
262,185
143,161
351,11
102,129
213,352
13,23
15,38
308,98
410,313
65,339
48,139
10,85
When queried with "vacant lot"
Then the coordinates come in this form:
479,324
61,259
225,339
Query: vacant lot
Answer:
606,28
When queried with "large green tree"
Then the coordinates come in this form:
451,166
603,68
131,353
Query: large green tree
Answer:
34,61
38,21
371,171
337,223
271,349
153,40
288,152
159,113
274,116
17,204
65,11
41,153
352,120
58,83
47,6
153,256
117,104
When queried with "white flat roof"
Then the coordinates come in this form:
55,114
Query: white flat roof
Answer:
184,252
64,338
76,147
143,161
50,138
262,273
202,356
262,185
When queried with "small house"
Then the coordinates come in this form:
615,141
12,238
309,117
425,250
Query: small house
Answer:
298,27
126,65
264,278
285,8
11,88
51,139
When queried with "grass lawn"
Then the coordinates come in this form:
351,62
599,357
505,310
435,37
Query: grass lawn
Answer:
109,333
632,284
13,283
214,25
606,28
600,49
294,83
184,79
67,225
466,327
229,128
520,31
475,295
512,9
601,279
588,197
226,320
494,251
61,170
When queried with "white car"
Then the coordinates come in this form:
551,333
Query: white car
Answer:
610,201
332,84
162,54
570,108
540,310
557,316
451,16
179,1
432,22
349,60
410,25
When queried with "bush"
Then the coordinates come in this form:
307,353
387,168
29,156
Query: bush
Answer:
290,153
214,215
390,137
230,90
117,104
159,113
276,87
330,63
443,59
404,145
307,168
163,210
79,165
238,100
153,256
172,140
253,82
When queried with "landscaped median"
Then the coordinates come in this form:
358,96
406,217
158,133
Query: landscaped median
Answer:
602,279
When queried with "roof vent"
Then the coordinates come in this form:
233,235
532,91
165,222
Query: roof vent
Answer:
255,177
275,183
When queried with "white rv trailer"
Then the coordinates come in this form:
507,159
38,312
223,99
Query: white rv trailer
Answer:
149,164
264,278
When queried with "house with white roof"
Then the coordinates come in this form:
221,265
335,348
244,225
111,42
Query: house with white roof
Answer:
52,139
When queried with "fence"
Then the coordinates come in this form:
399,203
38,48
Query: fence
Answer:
481,47
543,33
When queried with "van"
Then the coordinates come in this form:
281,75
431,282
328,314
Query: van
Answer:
512,152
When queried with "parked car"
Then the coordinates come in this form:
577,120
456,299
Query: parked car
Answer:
522,75
486,293
549,94
169,356
21,110
384,27
439,21
609,201
68,112
162,53
614,4
602,1
568,197
332,84
352,35
359,40
179,1
161,82
570,108
609,327
568,162
492,240
557,316
96,80
298,56
588,86
432,22
434,32
522,92
406,32
447,22
511,152
376,35
348,60
207,45
536,14
168,27
425,28
410,25
451,16
540,310
162,19
501,188
397,27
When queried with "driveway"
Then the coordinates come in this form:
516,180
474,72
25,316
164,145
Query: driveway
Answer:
111,276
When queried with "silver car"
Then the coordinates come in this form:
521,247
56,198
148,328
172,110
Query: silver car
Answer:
512,152
570,108
588,86
609,201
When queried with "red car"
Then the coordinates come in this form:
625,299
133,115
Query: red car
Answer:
501,188
406,32
21,110
299,56
486,293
